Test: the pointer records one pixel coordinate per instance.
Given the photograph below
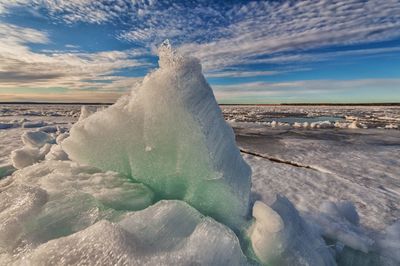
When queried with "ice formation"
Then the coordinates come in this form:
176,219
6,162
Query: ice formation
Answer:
33,124
180,239
28,155
170,135
280,236
37,139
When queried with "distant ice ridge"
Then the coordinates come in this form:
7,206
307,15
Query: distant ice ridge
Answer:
307,125
170,135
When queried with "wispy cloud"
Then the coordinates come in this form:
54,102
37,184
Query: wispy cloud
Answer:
21,67
270,28
224,34
308,90
69,96
240,73
5,5
232,39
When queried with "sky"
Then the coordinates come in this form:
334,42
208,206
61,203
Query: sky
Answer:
308,51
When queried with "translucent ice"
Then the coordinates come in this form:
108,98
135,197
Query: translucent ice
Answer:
6,125
279,236
264,232
57,198
179,235
170,135
36,138
33,124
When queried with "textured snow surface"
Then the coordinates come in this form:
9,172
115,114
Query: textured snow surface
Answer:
362,167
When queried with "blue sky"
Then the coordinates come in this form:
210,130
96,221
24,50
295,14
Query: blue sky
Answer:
251,51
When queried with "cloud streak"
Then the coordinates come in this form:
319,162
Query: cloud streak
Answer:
271,28
21,67
308,90
232,39
224,35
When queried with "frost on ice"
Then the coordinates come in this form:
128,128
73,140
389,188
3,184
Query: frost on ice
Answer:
170,135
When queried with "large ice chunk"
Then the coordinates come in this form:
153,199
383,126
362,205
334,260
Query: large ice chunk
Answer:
170,135
36,139
52,199
168,233
26,156
279,236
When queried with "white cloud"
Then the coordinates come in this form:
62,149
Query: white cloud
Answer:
21,67
308,89
269,28
5,5
224,34
226,37
240,73
79,10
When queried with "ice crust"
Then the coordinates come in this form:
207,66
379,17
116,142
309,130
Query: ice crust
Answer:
170,135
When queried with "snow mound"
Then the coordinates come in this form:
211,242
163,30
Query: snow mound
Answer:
85,112
26,156
389,242
339,222
170,135
56,153
341,209
279,236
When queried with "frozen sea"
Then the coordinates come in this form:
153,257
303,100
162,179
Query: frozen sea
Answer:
308,165
309,154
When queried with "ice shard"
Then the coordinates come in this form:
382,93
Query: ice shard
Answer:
170,134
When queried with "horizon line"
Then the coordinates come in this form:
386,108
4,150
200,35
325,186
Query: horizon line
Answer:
255,104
